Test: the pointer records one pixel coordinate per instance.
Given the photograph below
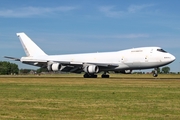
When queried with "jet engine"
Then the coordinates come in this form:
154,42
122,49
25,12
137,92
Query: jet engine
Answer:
91,69
54,67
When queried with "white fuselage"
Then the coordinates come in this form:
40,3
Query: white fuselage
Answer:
123,61
130,59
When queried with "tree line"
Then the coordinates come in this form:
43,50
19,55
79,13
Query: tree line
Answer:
7,68
164,70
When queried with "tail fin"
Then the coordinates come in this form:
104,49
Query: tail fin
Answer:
30,48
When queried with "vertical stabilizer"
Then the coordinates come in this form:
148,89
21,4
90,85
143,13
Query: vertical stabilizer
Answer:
30,48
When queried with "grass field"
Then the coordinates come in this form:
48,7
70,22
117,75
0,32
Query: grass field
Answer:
71,97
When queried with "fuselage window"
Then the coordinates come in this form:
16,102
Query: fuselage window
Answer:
161,50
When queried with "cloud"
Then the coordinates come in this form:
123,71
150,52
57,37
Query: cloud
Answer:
110,11
136,8
132,36
121,36
33,11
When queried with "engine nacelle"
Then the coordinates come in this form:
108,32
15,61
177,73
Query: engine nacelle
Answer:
54,67
124,71
91,69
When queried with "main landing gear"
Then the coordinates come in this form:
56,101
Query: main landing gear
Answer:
155,72
86,75
104,75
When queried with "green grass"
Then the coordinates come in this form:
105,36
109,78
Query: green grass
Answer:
75,98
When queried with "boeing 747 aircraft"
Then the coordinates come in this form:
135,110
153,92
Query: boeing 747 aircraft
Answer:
92,63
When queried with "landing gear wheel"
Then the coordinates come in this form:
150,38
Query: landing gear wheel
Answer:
90,76
94,76
104,76
86,76
155,73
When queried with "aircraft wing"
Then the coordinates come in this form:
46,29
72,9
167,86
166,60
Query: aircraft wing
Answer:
91,63
67,66
74,67
87,63
105,64
77,67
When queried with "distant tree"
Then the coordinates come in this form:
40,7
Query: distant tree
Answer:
42,70
14,68
159,70
24,71
7,68
165,70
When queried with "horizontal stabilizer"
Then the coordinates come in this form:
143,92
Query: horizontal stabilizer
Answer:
16,59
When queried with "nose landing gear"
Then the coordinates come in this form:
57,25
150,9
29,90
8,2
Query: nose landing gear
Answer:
155,72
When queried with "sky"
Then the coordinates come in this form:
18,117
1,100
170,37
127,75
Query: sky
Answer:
83,26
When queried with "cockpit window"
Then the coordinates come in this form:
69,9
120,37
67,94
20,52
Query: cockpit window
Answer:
161,50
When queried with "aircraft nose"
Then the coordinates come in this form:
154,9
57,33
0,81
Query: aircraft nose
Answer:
169,58
173,58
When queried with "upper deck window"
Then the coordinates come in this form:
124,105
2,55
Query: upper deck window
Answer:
137,51
161,50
